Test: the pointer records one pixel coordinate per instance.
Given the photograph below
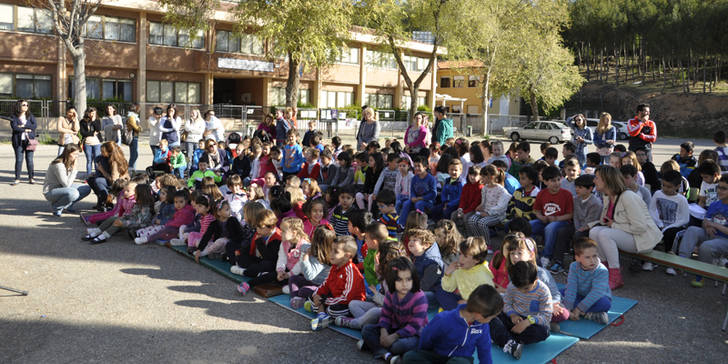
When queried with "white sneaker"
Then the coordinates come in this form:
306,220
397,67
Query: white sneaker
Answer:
177,242
648,267
545,262
140,240
285,289
670,271
360,344
236,269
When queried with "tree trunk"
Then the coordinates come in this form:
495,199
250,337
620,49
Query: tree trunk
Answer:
293,81
79,79
485,101
534,106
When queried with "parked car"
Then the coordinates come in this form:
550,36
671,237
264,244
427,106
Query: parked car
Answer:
552,131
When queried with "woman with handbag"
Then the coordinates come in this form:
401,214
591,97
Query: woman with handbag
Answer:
68,128
58,187
605,136
23,139
91,134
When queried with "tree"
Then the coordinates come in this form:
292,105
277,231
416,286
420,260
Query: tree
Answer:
308,32
69,21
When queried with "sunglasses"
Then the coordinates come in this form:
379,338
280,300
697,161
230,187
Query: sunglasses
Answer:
24,105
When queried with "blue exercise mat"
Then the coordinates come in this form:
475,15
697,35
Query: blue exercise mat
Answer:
538,353
216,265
585,329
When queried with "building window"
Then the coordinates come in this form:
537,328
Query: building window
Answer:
168,35
415,63
32,86
93,89
380,101
34,20
336,99
226,41
406,101
381,59
168,92
277,96
348,55
458,82
110,28
6,85
6,17
117,90
473,81
444,82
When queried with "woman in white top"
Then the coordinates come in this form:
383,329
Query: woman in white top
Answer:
195,126
154,133
214,128
59,188
170,125
111,124
68,128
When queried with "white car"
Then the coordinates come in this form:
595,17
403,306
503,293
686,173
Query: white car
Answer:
552,131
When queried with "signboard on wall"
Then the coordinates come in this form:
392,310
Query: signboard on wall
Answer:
245,64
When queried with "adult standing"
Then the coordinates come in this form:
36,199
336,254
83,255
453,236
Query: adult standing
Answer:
23,124
155,134
642,131
112,124
195,126
68,127
170,125
581,137
90,128
625,223
58,187
368,129
283,125
605,136
213,127
110,166
443,128
415,138
132,125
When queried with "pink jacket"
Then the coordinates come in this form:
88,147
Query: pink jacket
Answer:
288,255
183,216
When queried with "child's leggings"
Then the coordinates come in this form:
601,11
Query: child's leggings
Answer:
262,271
364,312
101,216
217,246
371,335
301,287
478,225
335,310
108,226
149,231
500,331
166,233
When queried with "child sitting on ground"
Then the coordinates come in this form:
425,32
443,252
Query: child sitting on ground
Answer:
453,336
386,203
315,211
710,173
428,262
685,158
423,191
184,214
235,196
140,215
469,199
403,314
235,247
451,192
178,162
343,285
222,231
259,262
587,290
448,240
521,205
464,275
571,172
403,182
312,269
294,241
671,213
629,174
493,202
340,216
554,209
196,177
526,312
204,207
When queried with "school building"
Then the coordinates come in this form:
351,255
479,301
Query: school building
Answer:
132,56
459,88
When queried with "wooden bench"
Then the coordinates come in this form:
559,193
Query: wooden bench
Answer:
703,269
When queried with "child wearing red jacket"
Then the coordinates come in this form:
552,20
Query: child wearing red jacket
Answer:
259,262
343,285
311,168
469,199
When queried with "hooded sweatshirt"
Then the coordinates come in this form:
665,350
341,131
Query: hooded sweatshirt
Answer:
448,334
429,268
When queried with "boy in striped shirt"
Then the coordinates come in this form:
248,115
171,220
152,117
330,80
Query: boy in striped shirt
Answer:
526,312
386,202
587,290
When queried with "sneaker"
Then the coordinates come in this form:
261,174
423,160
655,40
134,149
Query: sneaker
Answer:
395,359
599,317
286,289
343,321
177,242
236,269
297,302
308,306
545,262
322,321
243,288
556,268
697,283
140,240
513,348
648,267
670,271
15,183
58,213
360,345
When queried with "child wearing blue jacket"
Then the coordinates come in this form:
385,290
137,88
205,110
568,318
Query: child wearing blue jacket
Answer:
457,333
292,155
451,191
423,191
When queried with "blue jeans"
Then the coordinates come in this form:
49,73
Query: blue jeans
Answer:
447,300
180,171
400,200
91,151
550,232
63,198
601,305
100,186
133,152
19,153
370,335
422,205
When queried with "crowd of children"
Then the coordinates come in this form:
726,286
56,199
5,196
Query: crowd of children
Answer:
372,240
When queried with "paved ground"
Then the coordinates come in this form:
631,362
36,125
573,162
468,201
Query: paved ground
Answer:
124,303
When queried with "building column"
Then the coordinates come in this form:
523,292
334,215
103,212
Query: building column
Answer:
264,90
61,75
315,93
361,88
433,86
207,90
141,79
